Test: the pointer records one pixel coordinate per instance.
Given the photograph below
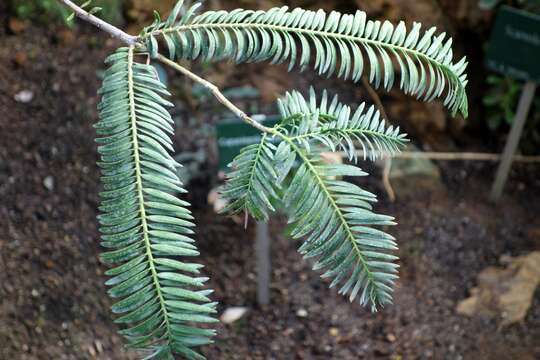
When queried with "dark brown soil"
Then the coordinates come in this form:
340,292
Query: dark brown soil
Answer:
53,303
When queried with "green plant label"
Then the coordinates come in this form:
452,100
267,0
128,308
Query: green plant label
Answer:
514,48
233,135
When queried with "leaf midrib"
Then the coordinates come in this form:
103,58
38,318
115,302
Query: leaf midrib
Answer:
348,131
254,167
139,186
376,43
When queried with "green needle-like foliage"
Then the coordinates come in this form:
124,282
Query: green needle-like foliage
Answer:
252,184
145,227
159,296
335,217
342,44
337,127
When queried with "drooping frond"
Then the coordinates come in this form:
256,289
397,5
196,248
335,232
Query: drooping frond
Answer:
143,225
335,218
340,44
252,184
336,126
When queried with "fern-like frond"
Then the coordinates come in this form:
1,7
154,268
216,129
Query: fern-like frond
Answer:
252,184
336,126
143,225
340,44
336,219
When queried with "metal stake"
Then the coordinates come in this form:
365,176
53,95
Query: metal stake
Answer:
513,140
264,268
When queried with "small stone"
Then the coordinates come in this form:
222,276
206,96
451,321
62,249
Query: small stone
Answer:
533,234
48,182
233,314
334,332
16,26
505,292
66,37
391,338
409,176
35,293
91,350
20,59
99,346
302,313
24,96
214,198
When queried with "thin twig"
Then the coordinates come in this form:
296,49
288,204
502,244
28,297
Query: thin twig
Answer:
455,156
375,97
387,161
386,179
100,24
217,94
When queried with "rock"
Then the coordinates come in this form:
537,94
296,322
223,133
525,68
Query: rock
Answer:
505,294
24,96
468,306
216,200
233,314
533,235
48,182
409,176
20,59
302,313
65,37
16,26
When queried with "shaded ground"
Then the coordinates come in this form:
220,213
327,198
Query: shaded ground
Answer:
52,298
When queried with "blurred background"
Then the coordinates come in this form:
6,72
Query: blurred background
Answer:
469,268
